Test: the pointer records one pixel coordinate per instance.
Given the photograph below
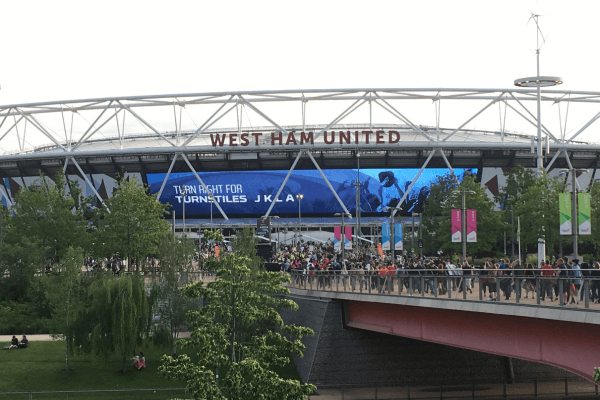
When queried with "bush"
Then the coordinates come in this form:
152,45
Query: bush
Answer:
20,318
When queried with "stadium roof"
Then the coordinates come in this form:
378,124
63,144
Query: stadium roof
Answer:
206,131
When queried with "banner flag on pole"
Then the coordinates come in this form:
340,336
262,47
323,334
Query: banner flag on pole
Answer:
456,226
385,236
584,214
337,238
348,237
471,226
398,242
564,208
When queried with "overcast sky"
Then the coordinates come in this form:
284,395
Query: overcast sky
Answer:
60,50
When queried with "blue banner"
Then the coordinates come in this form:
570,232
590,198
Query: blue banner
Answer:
385,236
398,237
252,192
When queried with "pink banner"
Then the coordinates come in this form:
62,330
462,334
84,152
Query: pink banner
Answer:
456,226
471,226
337,237
348,234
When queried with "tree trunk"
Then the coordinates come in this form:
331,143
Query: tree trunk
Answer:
123,370
66,355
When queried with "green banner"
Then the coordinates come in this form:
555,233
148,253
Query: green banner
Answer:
584,214
564,207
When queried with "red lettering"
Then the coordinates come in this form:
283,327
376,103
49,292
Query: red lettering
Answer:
327,141
291,139
367,136
344,137
256,136
380,137
244,139
307,138
396,137
217,140
275,138
232,139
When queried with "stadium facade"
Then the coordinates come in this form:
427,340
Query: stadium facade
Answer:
274,144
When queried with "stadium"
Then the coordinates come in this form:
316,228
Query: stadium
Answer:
228,159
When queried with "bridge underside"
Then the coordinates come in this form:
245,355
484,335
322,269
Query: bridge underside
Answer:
567,345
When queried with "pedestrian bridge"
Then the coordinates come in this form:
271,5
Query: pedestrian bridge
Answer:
550,332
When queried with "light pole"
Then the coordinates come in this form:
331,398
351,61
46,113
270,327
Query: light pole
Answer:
574,227
211,197
463,234
343,236
357,185
184,192
512,235
276,217
421,235
299,197
413,232
538,82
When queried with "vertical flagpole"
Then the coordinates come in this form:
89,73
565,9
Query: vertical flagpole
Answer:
519,236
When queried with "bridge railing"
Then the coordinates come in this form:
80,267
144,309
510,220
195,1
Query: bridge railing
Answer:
521,388
513,286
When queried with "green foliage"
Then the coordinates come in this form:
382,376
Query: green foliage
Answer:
62,290
114,318
21,318
45,213
594,238
234,334
533,197
135,224
43,223
437,216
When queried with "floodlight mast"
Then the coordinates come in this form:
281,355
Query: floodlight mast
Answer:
538,82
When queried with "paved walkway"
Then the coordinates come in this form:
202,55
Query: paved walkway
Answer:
48,338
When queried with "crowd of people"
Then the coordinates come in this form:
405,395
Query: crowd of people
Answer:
318,265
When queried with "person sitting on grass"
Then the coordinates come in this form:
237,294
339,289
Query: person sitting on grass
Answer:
139,362
14,343
24,342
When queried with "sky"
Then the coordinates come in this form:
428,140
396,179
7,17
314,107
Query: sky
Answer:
62,50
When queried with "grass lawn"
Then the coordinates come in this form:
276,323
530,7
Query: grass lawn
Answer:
40,367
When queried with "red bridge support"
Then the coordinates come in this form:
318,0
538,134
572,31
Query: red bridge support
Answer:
568,345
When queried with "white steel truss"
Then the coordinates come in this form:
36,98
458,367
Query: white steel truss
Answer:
35,132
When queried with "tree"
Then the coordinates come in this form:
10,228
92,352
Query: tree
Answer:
62,290
536,205
234,333
171,307
437,216
46,213
114,317
43,224
132,224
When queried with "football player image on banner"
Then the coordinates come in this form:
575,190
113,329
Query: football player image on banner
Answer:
244,193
